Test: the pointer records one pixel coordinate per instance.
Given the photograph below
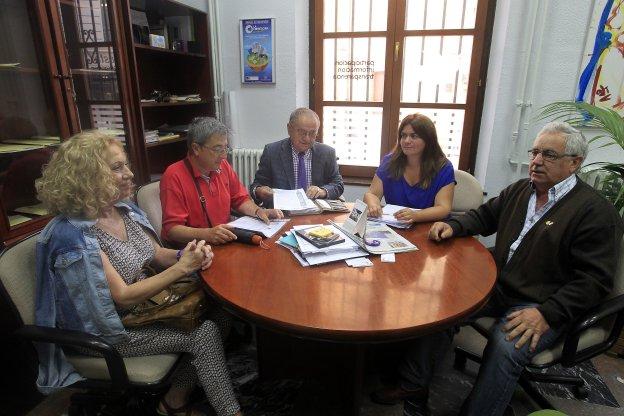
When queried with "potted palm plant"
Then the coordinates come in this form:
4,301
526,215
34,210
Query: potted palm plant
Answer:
609,175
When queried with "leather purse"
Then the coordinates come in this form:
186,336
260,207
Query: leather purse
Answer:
182,305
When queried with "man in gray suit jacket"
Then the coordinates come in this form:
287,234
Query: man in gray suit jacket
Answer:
298,162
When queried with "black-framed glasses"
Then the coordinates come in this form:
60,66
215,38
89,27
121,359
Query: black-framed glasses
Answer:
547,154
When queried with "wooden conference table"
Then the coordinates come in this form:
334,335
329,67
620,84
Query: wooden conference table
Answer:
423,291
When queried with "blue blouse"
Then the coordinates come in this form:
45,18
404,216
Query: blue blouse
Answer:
399,192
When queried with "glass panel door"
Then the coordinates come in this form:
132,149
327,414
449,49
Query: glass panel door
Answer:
30,111
354,45
93,71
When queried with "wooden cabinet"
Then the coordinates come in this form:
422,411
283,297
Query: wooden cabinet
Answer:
73,65
174,82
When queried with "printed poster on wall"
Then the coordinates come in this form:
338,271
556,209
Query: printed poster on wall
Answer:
257,40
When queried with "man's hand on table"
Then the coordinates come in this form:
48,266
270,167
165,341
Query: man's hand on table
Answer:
265,214
440,231
314,192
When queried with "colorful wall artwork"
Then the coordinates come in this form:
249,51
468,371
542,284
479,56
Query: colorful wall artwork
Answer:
602,78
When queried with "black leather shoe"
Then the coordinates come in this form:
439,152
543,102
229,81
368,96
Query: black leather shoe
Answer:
415,407
397,394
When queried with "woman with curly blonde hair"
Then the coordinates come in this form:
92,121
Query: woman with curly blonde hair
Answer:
91,261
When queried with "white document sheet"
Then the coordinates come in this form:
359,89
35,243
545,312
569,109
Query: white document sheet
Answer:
359,262
321,258
292,200
256,224
387,216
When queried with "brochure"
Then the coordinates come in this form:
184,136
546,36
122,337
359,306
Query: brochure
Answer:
379,239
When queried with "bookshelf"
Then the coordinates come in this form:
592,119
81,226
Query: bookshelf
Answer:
184,71
76,65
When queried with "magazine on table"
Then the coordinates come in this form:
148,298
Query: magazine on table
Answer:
311,258
374,237
296,202
321,236
342,242
380,239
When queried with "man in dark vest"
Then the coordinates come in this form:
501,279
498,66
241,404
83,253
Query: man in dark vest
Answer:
556,251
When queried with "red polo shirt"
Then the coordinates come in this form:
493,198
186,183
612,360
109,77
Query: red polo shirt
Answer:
180,201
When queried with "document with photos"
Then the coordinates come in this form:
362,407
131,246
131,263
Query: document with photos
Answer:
259,226
295,202
306,247
387,216
380,239
290,242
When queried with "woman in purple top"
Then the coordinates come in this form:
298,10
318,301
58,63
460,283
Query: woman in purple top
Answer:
416,174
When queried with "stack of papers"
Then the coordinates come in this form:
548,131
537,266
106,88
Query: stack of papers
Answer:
387,217
308,255
189,97
295,202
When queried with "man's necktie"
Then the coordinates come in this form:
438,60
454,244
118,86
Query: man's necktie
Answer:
302,177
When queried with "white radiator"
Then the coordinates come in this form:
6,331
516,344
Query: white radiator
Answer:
245,163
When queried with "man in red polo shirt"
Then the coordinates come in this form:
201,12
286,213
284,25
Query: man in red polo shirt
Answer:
198,192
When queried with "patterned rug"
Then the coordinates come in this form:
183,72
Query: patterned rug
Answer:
269,398
598,391
448,390
450,386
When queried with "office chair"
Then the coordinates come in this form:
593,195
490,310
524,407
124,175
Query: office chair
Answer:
468,193
123,383
148,199
590,335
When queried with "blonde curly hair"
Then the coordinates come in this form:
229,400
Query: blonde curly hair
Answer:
78,182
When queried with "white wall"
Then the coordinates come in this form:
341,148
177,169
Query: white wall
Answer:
263,110
555,59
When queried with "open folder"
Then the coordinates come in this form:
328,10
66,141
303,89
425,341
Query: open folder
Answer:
296,202
259,226
374,237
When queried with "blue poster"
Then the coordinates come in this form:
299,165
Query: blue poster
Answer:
257,39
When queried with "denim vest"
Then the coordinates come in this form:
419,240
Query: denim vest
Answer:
72,291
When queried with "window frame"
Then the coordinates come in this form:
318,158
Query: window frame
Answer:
391,104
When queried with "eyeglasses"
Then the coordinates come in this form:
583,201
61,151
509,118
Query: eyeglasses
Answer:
547,154
412,136
309,133
219,150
